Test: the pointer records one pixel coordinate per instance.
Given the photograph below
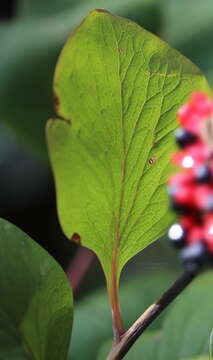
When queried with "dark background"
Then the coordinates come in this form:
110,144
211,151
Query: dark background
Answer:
26,187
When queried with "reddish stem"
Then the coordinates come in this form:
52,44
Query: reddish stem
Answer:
117,321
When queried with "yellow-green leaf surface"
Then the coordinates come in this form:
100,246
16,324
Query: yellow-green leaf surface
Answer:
118,87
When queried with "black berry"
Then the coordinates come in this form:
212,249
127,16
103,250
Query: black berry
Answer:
178,208
184,137
203,174
193,255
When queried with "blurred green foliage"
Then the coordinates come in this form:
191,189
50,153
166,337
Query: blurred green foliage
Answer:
184,333
146,346
30,45
92,319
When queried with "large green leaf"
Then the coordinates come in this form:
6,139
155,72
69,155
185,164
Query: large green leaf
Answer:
136,295
188,326
120,86
35,300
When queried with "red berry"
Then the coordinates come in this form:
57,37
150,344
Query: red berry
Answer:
194,155
192,114
184,195
201,196
201,104
189,119
188,221
191,191
195,234
208,232
183,178
184,113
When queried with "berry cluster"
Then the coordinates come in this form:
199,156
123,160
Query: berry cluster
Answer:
191,191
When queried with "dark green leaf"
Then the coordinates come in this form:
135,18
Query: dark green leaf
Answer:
35,300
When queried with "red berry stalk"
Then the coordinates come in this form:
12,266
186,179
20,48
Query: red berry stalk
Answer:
191,190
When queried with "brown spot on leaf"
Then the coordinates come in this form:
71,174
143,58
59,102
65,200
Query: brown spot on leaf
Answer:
102,10
152,160
120,50
67,121
76,238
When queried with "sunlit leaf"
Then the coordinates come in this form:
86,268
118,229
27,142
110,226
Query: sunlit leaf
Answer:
118,87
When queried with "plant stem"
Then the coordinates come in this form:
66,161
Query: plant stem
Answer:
120,349
118,328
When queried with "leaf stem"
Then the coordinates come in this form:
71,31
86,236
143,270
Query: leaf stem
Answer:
118,328
117,322
120,349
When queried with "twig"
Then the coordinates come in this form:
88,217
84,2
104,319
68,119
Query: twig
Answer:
128,339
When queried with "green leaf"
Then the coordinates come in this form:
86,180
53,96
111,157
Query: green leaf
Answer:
144,348
121,87
189,324
136,295
35,301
